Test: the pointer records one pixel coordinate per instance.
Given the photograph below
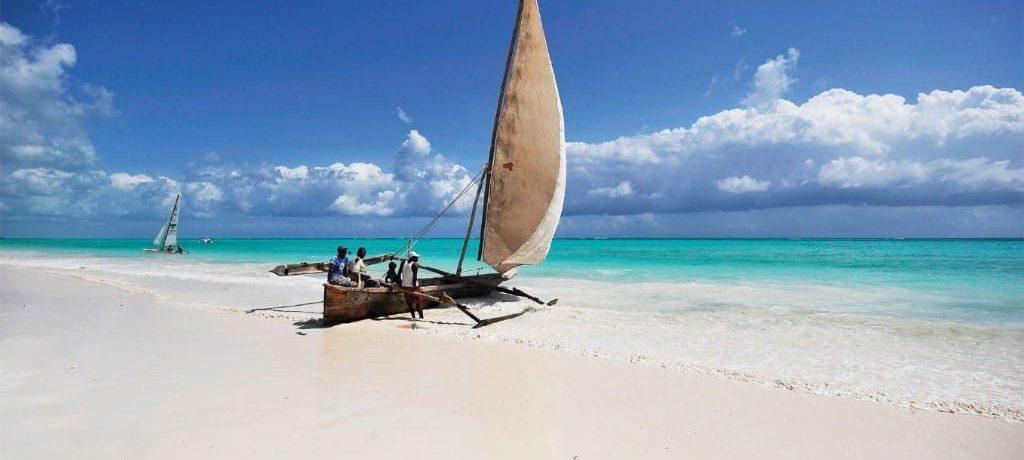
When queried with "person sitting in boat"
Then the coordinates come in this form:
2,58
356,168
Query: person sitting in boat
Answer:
410,283
336,274
357,270
179,250
392,275
170,248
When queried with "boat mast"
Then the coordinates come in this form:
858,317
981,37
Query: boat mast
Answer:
469,229
485,180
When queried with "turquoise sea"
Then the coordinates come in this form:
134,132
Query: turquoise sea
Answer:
974,280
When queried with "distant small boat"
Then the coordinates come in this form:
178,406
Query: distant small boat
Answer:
166,240
206,240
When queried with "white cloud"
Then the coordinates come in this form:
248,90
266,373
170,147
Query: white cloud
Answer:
40,181
40,122
624,189
126,181
415,144
357,188
837,118
429,179
85,194
772,80
297,173
424,182
742,184
858,172
203,198
383,204
946,148
737,32
972,174
10,35
404,116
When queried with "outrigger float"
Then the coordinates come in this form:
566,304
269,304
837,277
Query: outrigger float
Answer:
522,185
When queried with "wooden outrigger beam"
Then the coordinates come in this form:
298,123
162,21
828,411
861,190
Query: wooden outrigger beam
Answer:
445,299
514,291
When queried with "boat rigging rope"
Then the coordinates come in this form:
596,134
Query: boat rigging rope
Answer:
410,242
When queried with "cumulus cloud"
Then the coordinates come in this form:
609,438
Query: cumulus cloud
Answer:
10,35
47,162
125,181
430,180
420,182
203,198
772,80
963,175
40,121
742,184
45,191
946,148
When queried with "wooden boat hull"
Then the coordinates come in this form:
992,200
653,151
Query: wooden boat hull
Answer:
346,304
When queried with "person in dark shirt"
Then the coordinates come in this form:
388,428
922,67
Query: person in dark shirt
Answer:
337,272
392,274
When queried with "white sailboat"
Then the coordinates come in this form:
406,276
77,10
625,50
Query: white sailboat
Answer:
522,184
166,240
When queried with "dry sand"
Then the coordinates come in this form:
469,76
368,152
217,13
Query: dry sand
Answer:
90,370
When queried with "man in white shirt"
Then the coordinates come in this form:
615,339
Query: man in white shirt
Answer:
357,269
410,283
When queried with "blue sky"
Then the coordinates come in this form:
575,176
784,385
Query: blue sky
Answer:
684,118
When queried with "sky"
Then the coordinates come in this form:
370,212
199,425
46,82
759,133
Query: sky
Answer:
364,119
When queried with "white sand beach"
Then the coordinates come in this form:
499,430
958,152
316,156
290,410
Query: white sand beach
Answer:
110,369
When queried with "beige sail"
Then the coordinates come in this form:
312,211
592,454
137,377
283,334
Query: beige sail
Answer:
526,183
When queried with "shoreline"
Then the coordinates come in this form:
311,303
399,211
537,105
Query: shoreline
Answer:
112,372
560,329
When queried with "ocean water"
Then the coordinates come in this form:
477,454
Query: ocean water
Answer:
931,324
970,280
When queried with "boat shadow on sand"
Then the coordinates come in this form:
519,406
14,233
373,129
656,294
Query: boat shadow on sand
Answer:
318,323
